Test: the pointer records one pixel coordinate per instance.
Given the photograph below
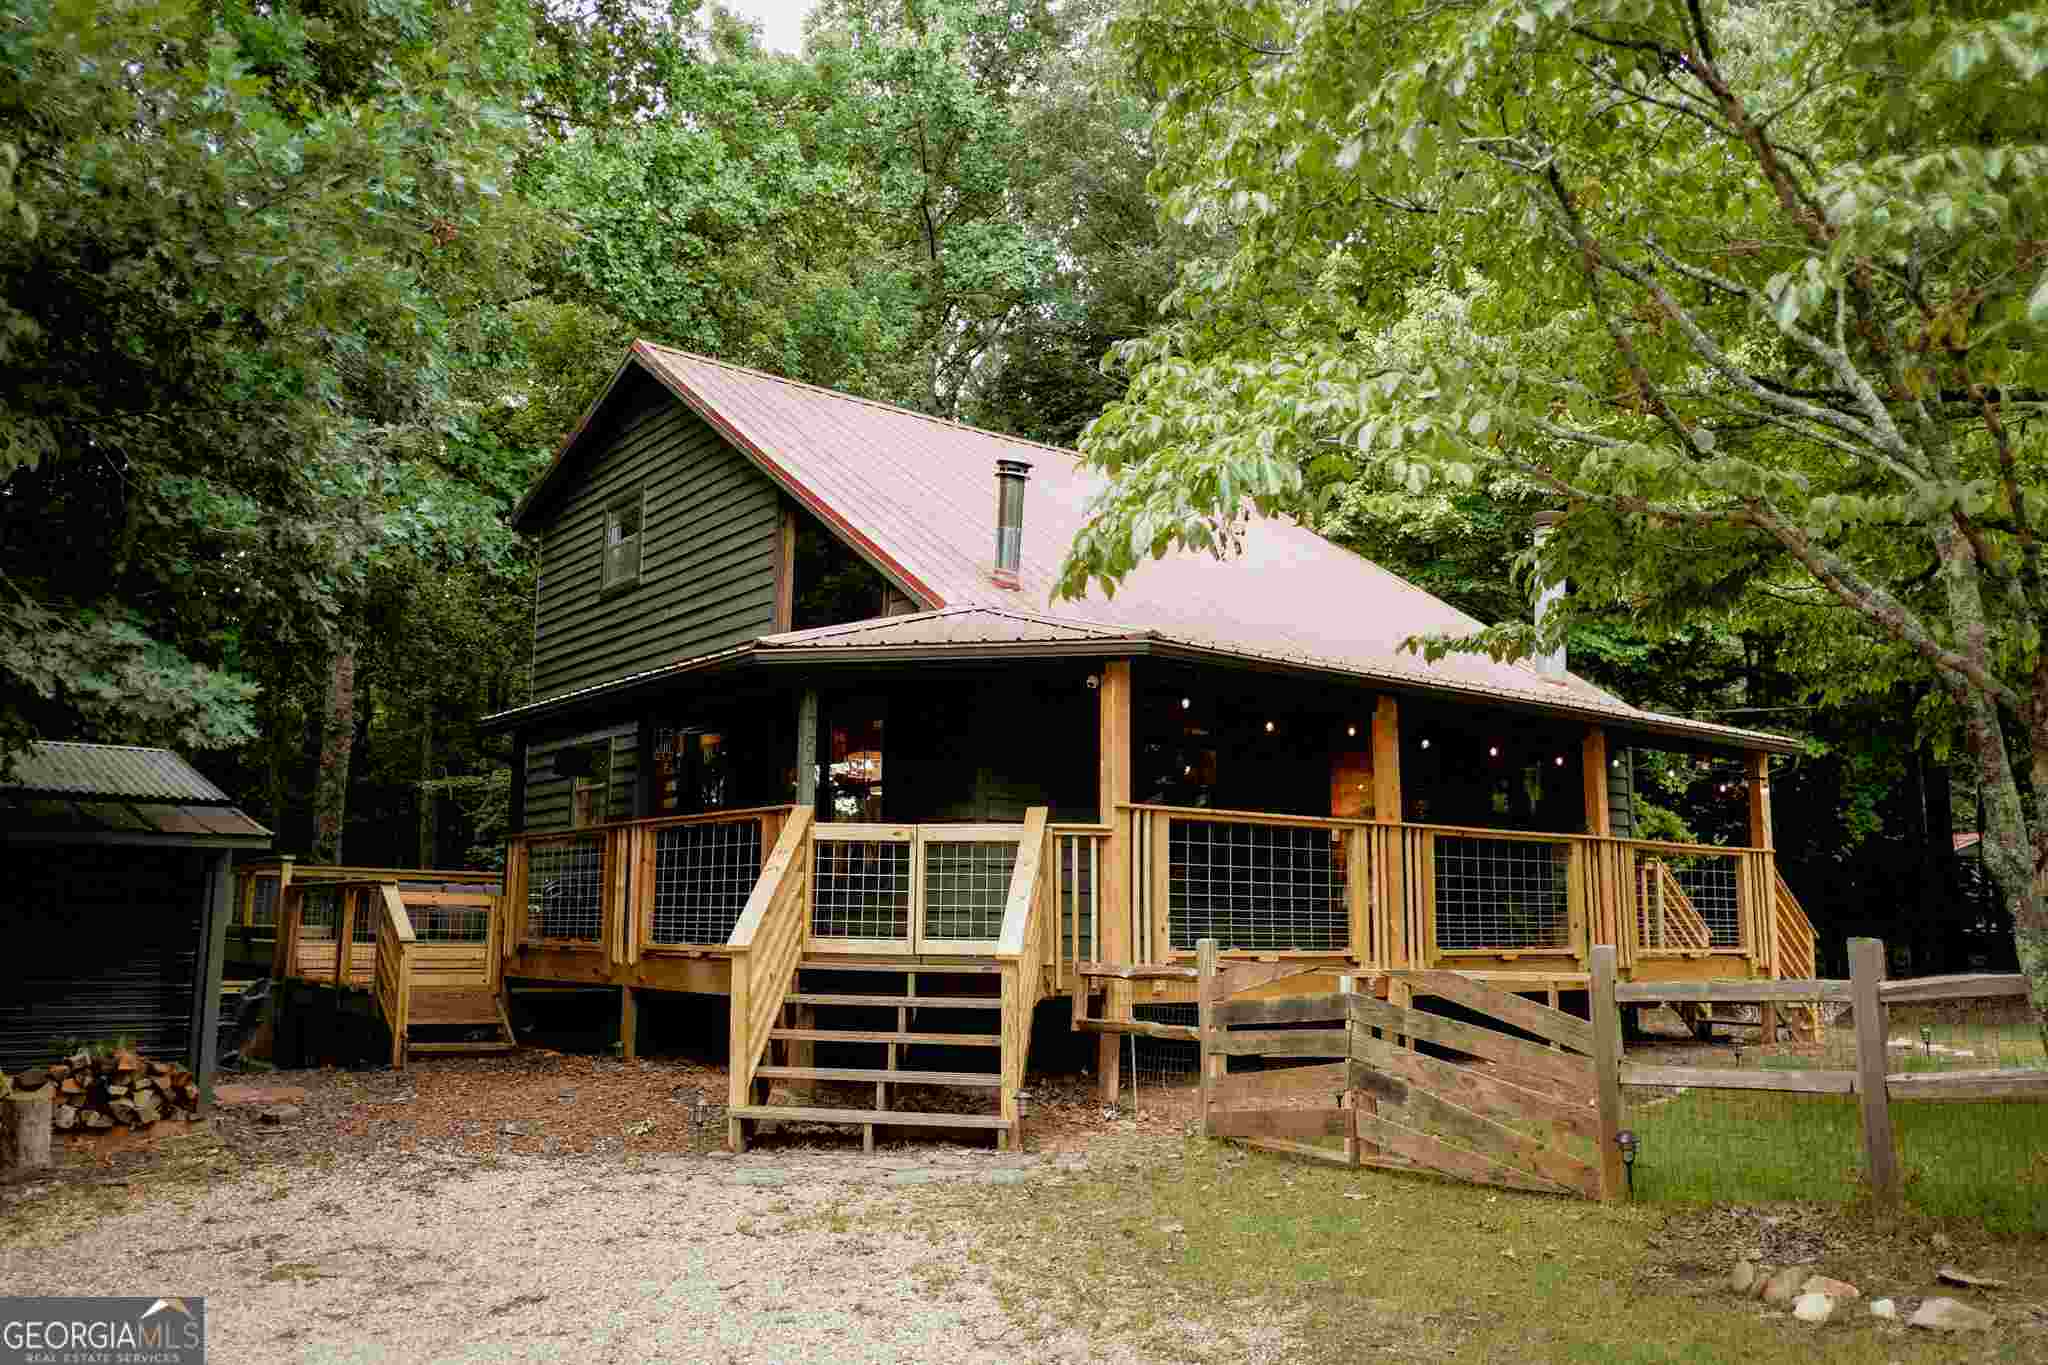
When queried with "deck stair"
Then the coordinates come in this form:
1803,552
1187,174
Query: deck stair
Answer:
464,1019
881,1025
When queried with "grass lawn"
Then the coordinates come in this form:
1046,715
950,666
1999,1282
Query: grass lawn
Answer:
1342,1265
1985,1161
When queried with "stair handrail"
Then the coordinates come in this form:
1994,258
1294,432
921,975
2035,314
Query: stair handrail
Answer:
391,976
766,944
1021,951
1799,951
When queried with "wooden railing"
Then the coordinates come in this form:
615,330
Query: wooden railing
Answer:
1665,915
1023,952
766,945
391,984
325,928
670,884
1075,865
1408,896
1798,947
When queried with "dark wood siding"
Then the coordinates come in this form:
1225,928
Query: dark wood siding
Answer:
708,551
548,795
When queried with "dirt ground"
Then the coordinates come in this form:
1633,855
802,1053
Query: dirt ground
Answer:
545,1206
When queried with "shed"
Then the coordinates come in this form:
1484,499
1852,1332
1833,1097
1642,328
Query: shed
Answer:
116,902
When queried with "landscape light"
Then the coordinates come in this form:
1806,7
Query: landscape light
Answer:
1927,1039
1629,1144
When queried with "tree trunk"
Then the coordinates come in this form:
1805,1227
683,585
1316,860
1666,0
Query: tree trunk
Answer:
427,795
2008,852
337,740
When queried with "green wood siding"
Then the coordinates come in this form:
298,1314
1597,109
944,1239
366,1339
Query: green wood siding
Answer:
709,541
548,796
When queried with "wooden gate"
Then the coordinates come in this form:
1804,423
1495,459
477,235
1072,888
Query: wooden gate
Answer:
1399,1087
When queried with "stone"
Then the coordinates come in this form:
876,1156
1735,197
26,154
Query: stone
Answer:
1884,1308
1783,1287
1841,1291
1948,1274
1813,1308
1005,1177
912,1177
1743,1278
513,1129
283,1113
1949,1315
764,1177
35,1078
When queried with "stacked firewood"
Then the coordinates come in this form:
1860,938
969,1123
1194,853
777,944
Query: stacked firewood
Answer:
98,1091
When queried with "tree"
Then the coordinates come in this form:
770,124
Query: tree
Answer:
244,248
1754,291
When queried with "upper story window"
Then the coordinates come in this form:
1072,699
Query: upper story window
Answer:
622,541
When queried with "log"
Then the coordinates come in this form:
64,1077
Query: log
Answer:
25,1128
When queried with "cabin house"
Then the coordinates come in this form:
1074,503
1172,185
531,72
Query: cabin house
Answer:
808,730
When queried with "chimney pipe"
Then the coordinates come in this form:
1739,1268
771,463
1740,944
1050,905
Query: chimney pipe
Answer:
1551,664
1010,478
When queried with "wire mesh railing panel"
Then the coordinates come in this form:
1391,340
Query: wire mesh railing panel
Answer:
1501,893
1710,884
1265,887
1165,1073
449,923
1079,863
860,888
369,909
966,888
565,889
319,914
263,902
703,875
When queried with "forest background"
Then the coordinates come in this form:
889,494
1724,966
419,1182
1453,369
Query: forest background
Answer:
297,297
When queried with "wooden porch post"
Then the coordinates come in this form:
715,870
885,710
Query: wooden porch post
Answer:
1603,915
1113,703
806,749
1387,809
1593,758
1766,886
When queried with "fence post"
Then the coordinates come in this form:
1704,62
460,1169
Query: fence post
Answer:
1607,1071
1866,970
1205,1023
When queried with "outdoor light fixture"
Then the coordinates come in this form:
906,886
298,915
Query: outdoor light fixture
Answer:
1927,1039
1629,1143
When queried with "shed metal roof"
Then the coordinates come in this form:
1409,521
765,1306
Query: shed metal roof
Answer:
111,770
119,793
916,495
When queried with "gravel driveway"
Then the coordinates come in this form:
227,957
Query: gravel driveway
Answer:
796,1255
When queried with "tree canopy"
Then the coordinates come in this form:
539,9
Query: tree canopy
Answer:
1755,292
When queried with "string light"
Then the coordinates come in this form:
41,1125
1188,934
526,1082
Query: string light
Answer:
1560,760
1351,730
1493,751
1269,727
1186,702
1425,741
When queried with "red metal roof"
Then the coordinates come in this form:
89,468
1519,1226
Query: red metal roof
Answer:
916,494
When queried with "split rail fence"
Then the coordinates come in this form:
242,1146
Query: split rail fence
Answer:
1870,997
